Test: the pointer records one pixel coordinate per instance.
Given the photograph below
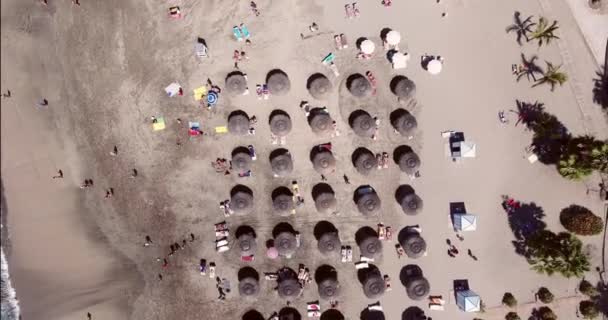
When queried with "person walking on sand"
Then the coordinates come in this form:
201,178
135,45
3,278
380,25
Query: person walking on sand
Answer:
90,182
114,151
76,2
59,175
165,263
470,253
148,241
323,178
192,237
43,103
89,316
7,94
160,276
346,179
109,193
134,173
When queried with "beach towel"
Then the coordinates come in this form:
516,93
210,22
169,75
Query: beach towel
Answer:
173,89
199,93
223,129
245,31
237,33
159,124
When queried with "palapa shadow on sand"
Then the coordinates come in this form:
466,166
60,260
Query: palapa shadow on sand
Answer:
289,313
409,272
244,229
364,274
248,272
413,313
253,315
323,227
282,227
281,191
332,314
325,272
367,314
321,188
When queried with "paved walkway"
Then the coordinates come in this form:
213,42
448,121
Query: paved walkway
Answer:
593,25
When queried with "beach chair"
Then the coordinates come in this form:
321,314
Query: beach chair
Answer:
212,270
200,49
175,13
366,259
245,31
343,41
400,251
389,233
236,31
361,265
374,306
349,253
381,231
313,309
387,282
271,276
343,254
436,307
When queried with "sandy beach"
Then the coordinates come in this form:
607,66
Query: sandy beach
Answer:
103,66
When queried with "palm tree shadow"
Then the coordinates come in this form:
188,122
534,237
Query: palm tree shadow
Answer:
521,27
531,69
600,89
550,135
525,221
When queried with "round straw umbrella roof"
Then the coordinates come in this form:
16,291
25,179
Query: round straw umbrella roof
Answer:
332,314
409,162
289,288
283,204
411,204
280,125
359,86
319,86
417,288
326,202
370,247
366,162
414,245
238,124
236,83
286,243
278,83
369,204
393,37
321,123
404,88
364,125
374,286
324,162
249,287
241,202
368,46
405,124
329,242
281,164
247,244
329,288
241,161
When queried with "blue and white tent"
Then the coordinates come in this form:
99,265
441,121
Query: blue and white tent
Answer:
468,301
465,222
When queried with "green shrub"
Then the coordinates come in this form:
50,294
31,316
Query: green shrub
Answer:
588,309
587,289
512,316
509,300
544,295
581,221
545,313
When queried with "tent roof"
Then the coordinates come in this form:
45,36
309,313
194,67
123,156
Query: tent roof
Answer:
468,301
465,222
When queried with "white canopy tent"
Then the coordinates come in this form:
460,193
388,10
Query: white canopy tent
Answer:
468,301
465,222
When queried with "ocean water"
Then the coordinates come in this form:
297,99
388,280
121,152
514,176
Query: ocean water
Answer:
9,304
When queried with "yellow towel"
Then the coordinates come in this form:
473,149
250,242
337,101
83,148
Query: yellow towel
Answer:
199,93
223,129
159,125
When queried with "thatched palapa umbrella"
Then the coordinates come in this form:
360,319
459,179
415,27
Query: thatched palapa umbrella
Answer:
241,202
241,160
417,288
365,162
324,162
411,204
409,162
249,287
359,86
413,245
363,124
370,247
236,83
374,286
321,123
369,203
326,203
286,243
280,124
329,242
405,123
289,288
281,164
329,288
278,82
403,87
319,86
283,204
247,244
238,123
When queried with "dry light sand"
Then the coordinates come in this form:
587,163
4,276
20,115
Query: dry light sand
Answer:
103,66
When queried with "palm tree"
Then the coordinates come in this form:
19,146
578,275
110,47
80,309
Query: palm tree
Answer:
600,88
573,168
599,157
521,28
530,68
544,32
553,76
561,253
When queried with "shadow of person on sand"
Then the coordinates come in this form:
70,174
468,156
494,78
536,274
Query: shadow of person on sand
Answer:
525,220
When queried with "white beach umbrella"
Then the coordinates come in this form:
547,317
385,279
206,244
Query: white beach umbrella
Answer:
468,149
399,60
393,37
367,46
434,66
